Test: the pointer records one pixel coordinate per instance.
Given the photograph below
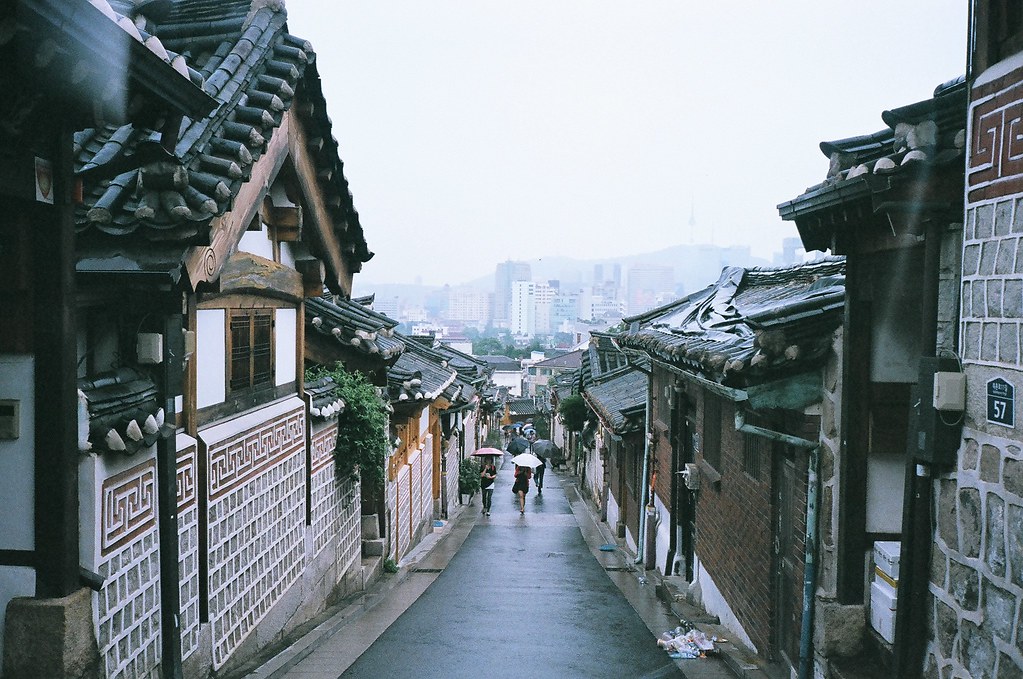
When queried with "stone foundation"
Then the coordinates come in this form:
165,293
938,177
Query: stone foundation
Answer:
51,638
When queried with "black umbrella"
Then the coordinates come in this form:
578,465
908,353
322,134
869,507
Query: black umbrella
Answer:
543,447
517,445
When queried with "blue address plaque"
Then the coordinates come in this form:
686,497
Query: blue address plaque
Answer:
1001,401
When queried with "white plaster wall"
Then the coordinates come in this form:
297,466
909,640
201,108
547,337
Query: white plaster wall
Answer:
424,422
210,356
287,255
17,456
715,604
613,512
886,477
15,581
286,329
257,243
662,533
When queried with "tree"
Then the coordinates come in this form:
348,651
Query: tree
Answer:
487,346
572,410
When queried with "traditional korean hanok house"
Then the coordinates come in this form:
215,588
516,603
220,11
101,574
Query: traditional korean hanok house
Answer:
66,64
464,422
343,330
891,203
617,393
539,375
739,372
198,242
419,386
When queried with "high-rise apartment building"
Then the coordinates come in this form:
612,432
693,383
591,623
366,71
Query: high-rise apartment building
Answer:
468,305
522,316
507,273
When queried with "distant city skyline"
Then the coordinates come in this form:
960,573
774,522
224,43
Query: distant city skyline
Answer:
559,306
474,132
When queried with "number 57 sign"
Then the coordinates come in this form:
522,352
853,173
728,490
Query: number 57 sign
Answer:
1001,402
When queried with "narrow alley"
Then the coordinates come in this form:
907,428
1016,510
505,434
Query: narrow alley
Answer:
501,596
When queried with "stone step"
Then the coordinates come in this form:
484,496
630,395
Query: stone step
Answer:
370,527
373,547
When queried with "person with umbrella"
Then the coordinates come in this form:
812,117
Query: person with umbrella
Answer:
487,477
524,464
488,474
542,449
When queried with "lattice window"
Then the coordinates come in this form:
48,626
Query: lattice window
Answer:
251,361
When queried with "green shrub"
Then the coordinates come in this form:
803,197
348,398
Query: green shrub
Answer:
362,438
468,476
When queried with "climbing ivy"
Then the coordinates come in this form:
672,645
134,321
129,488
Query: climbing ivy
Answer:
572,410
362,440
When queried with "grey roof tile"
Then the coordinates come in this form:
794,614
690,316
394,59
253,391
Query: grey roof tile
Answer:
752,324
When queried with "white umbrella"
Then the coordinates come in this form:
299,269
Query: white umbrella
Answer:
526,460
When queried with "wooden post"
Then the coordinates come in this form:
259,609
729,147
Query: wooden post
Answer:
167,493
56,395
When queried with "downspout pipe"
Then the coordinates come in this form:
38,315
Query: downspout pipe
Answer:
810,541
647,436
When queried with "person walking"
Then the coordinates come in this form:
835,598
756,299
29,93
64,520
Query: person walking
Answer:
487,477
521,486
538,474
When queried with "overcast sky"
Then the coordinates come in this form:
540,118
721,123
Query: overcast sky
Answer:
475,131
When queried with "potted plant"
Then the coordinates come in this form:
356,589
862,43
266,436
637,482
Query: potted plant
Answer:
468,478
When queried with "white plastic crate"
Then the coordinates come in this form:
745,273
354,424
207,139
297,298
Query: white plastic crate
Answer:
886,558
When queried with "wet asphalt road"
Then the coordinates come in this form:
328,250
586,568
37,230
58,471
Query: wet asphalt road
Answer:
523,597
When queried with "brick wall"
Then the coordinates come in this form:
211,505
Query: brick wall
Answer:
735,526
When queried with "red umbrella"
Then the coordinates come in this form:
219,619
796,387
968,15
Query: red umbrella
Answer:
484,452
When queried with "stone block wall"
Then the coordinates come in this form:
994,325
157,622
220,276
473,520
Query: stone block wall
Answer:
977,563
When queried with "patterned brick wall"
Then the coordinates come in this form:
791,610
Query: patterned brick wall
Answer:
427,475
415,490
188,545
256,524
450,480
336,507
402,512
129,603
992,299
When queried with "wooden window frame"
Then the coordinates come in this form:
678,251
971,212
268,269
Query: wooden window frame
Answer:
251,385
